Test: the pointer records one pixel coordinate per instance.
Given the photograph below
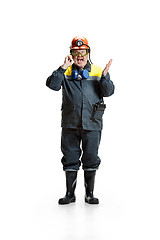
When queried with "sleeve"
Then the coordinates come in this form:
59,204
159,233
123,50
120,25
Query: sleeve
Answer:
54,81
106,86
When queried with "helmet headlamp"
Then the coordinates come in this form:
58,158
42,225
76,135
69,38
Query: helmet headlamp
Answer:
79,43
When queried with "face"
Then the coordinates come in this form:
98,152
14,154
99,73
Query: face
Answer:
80,57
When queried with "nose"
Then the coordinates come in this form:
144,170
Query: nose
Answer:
79,54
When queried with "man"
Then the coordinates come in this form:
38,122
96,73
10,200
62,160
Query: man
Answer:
83,87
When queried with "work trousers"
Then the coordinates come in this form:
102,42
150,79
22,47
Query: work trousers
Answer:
80,146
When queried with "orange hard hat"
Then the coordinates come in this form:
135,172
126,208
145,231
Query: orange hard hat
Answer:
79,42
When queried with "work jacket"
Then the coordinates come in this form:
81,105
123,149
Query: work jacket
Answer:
81,107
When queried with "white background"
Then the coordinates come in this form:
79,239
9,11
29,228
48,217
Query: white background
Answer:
35,38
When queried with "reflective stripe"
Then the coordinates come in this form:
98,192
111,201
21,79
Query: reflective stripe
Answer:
90,78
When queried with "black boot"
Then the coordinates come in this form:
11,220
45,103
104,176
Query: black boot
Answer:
71,179
89,177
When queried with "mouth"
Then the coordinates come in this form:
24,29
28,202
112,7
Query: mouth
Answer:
79,60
